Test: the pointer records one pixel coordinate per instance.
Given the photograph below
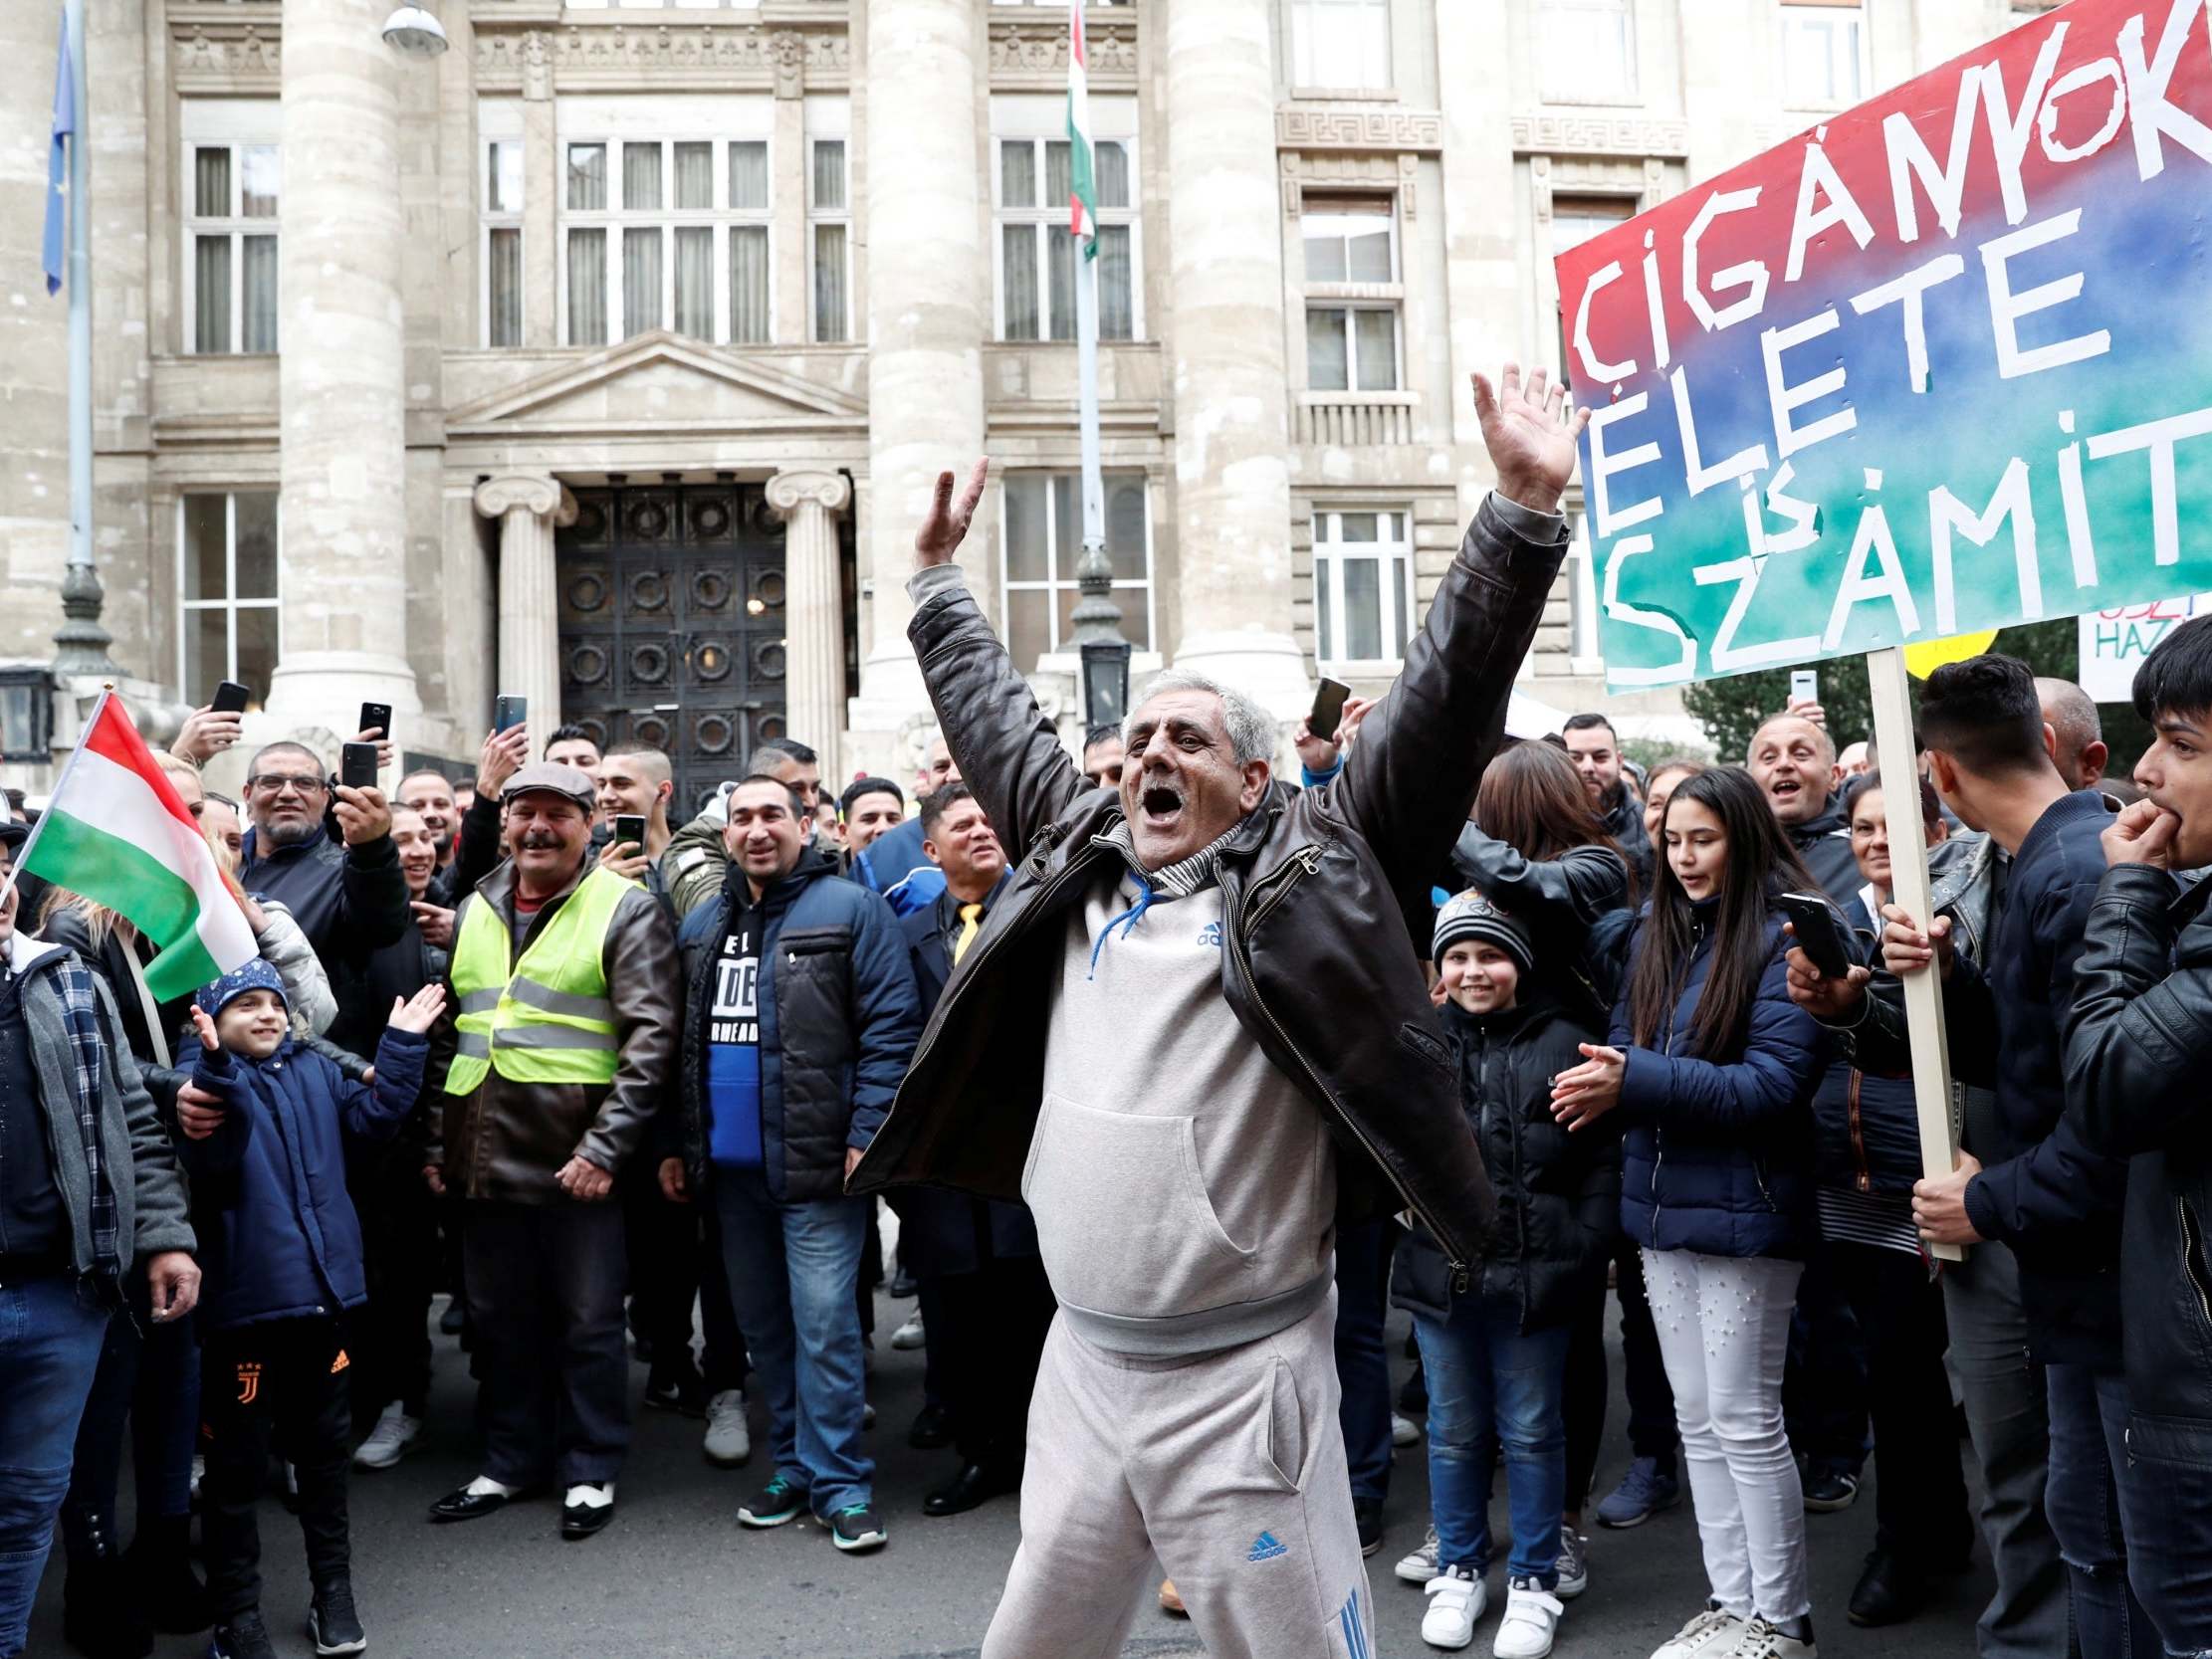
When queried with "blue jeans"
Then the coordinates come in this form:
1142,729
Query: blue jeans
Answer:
792,1269
49,1345
1491,1385
2089,1443
1363,1255
2165,1494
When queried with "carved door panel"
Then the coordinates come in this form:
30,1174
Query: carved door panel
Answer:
672,625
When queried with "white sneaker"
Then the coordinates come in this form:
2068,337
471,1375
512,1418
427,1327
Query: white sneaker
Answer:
1531,1614
1403,1431
909,1335
1761,1640
729,1439
1420,1565
199,1474
1456,1598
1710,1635
389,1440
1574,1565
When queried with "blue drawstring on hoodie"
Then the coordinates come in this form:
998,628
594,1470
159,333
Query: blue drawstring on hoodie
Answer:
1127,921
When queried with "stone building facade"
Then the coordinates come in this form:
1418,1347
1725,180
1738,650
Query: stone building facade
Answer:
608,357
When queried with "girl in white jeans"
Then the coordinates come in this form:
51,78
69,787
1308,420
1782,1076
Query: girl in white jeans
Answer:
1713,1070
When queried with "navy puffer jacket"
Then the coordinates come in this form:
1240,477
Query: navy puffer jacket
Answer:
1867,1126
279,1236
1717,1154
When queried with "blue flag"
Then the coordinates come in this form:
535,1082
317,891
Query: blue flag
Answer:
56,161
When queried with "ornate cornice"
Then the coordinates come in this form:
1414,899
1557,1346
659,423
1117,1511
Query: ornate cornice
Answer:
228,55
1367,127
669,55
1032,53
789,492
1595,134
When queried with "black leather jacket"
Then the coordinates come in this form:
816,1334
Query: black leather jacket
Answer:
2136,1042
1324,894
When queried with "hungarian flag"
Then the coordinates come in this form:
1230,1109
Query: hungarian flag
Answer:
1082,187
116,832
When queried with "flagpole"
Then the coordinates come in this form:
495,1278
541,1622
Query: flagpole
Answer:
82,643
1086,381
38,829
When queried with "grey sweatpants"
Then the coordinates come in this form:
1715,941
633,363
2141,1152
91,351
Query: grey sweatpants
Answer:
1228,1467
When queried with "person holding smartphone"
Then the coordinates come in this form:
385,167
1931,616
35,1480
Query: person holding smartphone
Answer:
1712,1069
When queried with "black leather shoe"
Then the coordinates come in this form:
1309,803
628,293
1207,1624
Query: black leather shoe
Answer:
1888,1592
974,1484
931,1428
1367,1515
464,1505
584,1520
902,1286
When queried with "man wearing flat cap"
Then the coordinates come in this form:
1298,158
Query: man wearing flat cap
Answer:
558,1043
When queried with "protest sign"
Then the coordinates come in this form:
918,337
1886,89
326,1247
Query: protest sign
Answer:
1935,365
2115,642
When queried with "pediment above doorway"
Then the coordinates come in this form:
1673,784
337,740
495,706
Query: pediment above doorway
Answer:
659,381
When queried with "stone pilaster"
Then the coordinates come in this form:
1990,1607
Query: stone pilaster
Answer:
1232,425
928,311
813,620
526,508
341,386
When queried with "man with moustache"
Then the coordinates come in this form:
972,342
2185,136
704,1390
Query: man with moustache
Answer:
556,1047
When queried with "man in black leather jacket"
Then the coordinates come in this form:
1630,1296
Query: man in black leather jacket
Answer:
1294,913
2136,1042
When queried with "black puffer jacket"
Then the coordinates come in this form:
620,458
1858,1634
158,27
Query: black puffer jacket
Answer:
1563,901
1558,1195
1623,821
2136,1042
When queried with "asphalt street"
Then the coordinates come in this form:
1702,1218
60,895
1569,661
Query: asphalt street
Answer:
674,1576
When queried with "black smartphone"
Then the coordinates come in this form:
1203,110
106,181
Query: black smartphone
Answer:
1328,709
230,697
1820,933
357,767
376,716
509,712
630,827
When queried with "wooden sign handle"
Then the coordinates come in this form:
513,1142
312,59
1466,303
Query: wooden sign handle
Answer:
1910,890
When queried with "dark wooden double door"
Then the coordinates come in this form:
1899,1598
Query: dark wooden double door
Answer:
672,625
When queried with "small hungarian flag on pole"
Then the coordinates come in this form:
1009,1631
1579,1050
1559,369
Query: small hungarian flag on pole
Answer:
1082,173
118,832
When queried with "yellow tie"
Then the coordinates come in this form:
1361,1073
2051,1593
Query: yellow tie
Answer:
971,923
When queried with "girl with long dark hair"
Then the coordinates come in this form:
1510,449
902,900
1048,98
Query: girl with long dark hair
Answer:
1712,1069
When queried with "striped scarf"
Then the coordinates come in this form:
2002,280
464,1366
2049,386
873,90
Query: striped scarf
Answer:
80,1000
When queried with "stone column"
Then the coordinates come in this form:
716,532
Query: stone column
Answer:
542,183
928,310
528,507
814,619
342,383
1231,426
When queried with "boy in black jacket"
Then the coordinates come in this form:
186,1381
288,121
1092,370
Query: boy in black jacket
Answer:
281,1249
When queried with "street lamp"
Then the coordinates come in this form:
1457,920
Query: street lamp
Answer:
1099,641
26,712
414,32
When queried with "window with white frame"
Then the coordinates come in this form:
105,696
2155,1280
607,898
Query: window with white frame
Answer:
1363,587
1588,51
1574,221
1340,43
230,623
230,246
1037,264
829,239
1821,44
665,233
1353,293
503,242
1044,539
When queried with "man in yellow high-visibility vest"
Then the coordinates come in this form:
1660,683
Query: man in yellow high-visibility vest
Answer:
558,1045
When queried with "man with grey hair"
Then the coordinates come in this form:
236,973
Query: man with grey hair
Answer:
2076,732
1194,1033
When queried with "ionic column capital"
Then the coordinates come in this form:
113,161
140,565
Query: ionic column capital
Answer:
789,492
497,497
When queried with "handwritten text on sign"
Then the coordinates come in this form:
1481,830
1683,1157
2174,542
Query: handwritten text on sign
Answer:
1937,366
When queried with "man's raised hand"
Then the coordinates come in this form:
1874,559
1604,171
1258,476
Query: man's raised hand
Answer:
1531,436
946,527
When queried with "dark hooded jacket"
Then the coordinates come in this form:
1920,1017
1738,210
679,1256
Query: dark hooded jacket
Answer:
1824,843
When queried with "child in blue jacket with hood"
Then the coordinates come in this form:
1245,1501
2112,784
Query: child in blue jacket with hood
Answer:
281,1251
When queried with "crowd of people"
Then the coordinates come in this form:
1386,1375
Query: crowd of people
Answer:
1178,1078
